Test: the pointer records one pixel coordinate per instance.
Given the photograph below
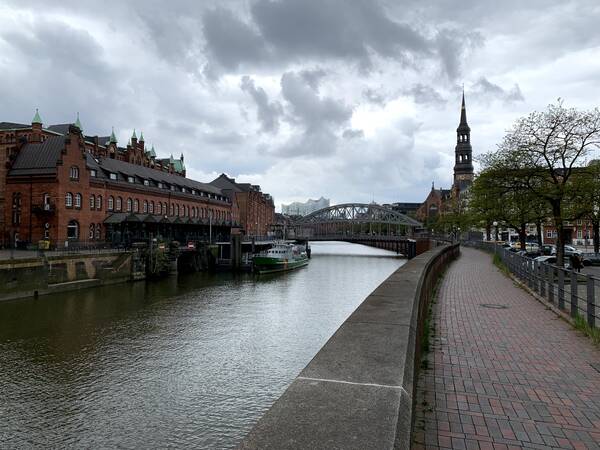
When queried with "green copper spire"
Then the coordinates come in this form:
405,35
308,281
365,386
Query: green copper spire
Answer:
133,136
36,118
78,123
113,138
129,143
152,152
141,136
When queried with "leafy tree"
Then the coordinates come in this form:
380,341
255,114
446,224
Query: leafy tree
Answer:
541,153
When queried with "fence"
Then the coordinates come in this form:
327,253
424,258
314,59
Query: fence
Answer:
570,291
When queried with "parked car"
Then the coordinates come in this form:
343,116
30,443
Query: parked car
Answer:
548,259
548,250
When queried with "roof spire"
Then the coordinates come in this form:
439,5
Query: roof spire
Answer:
133,136
36,118
141,136
113,138
78,123
463,110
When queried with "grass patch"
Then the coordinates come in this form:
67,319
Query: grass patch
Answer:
581,324
428,325
500,265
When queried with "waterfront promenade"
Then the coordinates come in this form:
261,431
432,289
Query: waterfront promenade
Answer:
504,371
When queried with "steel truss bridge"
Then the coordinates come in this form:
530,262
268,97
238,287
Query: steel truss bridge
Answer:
360,223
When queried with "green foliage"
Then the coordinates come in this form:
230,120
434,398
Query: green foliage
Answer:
582,325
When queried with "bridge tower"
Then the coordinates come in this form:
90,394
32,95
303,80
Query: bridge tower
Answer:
463,165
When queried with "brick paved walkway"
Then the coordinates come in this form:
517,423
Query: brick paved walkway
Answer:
518,377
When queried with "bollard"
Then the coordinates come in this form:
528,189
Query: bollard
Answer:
561,289
574,293
591,303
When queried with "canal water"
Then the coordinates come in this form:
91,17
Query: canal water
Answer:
192,361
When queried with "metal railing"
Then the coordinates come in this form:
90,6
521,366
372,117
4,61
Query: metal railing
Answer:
572,292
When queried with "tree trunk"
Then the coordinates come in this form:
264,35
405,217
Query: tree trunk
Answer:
523,236
538,229
560,238
488,231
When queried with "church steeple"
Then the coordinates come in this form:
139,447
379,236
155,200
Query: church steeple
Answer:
463,165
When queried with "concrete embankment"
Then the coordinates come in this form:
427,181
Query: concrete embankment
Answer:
358,391
27,277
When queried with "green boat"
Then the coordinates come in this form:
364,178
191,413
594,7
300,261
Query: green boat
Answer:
280,258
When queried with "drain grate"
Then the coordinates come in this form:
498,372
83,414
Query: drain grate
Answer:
493,306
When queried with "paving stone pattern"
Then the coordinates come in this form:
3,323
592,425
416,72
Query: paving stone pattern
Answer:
518,377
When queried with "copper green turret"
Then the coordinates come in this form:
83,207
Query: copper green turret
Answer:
36,118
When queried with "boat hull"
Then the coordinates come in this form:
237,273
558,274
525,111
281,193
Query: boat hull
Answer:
271,265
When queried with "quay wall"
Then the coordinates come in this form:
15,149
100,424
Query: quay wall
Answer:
27,277
358,391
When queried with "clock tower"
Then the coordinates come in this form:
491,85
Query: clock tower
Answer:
463,164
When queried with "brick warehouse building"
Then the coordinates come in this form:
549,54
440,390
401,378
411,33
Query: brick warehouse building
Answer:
58,184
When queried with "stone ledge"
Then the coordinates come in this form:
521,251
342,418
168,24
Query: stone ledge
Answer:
357,392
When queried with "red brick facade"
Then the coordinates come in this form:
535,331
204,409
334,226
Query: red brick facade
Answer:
41,203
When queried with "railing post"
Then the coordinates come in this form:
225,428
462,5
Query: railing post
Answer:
591,303
550,273
542,269
574,293
561,289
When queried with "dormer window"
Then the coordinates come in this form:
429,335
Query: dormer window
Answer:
160,185
193,192
93,173
146,183
113,176
130,180
182,189
172,187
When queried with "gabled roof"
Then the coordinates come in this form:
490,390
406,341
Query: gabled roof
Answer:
61,128
38,158
12,126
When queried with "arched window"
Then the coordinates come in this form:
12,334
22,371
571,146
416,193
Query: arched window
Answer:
73,230
177,210
136,205
129,205
119,204
92,201
151,207
91,233
158,208
172,209
69,200
145,207
74,173
99,202
78,200
98,231
111,203
16,208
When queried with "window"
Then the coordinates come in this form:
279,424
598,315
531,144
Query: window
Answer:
98,231
129,205
579,234
119,203
69,200
130,180
113,176
182,189
146,183
160,185
92,201
74,173
46,230
91,233
78,201
46,202
73,230
93,173
172,209
111,203
193,192
136,205
159,208
145,210
152,207
172,187
16,208
579,221
99,202
177,210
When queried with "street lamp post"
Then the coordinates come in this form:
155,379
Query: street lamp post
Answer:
496,226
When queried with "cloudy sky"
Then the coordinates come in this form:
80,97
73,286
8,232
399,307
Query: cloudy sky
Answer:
353,100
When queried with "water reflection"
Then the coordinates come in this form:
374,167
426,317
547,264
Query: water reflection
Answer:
192,361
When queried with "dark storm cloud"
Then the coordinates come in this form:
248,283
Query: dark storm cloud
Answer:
425,95
453,46
268,113
485,90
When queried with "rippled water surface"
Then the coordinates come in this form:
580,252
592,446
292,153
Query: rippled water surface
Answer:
192,361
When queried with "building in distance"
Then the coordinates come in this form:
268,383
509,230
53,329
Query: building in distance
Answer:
304,209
